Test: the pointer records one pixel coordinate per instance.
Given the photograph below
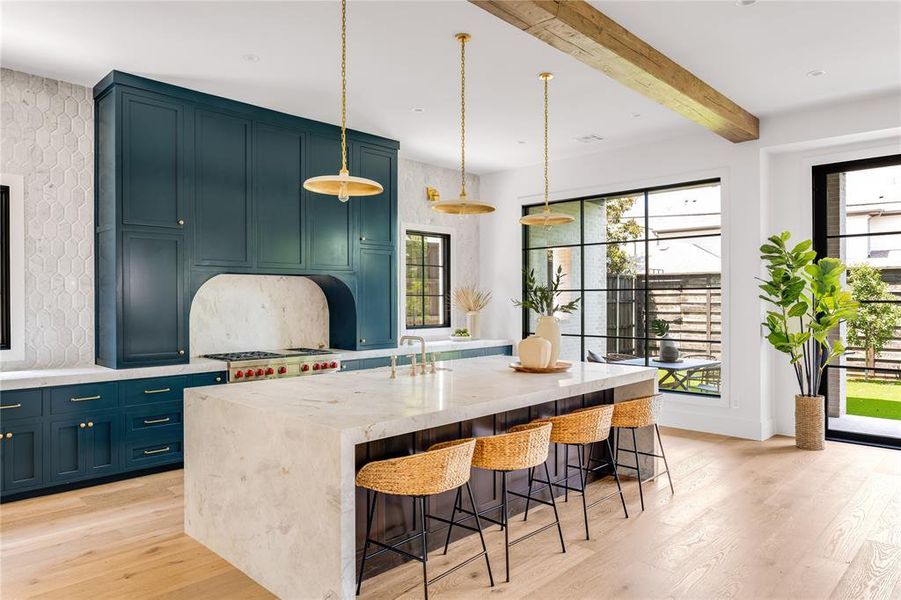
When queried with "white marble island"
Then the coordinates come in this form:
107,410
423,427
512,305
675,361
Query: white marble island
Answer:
270,465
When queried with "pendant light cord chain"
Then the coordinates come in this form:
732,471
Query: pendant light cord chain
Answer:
343,85
547,208
463,117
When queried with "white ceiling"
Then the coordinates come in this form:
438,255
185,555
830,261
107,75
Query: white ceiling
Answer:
402,55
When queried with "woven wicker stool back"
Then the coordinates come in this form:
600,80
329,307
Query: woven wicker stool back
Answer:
637,413
423,474
525,446
581,427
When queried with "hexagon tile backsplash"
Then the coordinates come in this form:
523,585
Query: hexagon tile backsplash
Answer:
47,137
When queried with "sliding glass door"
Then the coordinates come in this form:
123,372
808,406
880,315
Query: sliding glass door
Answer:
857,218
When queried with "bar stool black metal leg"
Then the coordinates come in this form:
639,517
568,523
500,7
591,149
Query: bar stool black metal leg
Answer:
550,490
424,536
531,479
663,456
579,450
458,500
566,473
616,476
475,511
370,513
506,520
637,467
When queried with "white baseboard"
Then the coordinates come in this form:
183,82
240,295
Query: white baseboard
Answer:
715,421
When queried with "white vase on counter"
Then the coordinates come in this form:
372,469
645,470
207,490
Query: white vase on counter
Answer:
472,323
534,352
549,329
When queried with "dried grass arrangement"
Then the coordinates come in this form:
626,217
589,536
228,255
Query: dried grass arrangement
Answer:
469,298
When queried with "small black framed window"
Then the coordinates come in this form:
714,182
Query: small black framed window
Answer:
428,279
5,342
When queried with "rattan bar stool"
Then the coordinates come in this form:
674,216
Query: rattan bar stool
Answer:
419,475
583,429
523,447
631,415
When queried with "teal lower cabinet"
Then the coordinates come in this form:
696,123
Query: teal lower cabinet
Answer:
54,438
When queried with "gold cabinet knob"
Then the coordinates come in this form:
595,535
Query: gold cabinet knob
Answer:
363,341
218,380
181,221
181,352
82,425
9,434
362,238
90,423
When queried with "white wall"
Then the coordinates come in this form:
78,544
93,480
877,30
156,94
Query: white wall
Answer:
750,213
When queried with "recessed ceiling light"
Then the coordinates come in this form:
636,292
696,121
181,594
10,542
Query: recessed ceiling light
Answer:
418,109
816,73
636,115
521,142
251,58
590,138
745,2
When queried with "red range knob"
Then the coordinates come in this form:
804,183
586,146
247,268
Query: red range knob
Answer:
333,365
270,371
305,368
239,374
248,373
315,366
282,370
259,372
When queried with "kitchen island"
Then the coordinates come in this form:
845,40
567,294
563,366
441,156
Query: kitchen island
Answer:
270,465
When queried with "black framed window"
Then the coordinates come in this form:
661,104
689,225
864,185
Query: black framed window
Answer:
857,218
428,279
5,341
635,257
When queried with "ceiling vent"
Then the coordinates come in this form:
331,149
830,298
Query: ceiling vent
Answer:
591,138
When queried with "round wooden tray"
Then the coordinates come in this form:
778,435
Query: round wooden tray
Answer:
562,365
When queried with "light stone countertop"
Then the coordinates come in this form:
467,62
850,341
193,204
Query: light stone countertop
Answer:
368,405
16,380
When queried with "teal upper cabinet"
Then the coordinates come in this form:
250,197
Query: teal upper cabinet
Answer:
376,304
377,214
222,211
331,221
278,155
152,161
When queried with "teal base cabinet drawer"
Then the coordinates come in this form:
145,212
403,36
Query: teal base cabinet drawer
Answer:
147,391
144,454
81,399
20,404
156,422
202,379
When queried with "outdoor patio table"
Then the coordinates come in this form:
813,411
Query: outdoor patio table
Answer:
687,366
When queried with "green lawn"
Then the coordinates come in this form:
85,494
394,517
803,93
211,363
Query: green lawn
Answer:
874,399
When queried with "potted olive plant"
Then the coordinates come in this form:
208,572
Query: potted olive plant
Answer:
807,305
542,298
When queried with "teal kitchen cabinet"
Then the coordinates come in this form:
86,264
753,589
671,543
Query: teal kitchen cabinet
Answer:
377,215
21,454
153,307
84,446
279,203
376,302
330,220
222,194
154,187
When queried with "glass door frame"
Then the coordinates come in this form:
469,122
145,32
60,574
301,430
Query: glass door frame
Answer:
819,174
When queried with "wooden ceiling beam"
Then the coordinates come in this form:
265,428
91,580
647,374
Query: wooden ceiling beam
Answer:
580,30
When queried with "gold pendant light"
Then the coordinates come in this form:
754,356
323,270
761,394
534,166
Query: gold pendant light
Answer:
343,185
463,205
546,218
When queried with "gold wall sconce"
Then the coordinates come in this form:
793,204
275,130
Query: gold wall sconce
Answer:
432,194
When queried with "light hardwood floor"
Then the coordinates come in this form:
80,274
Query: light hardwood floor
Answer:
748,520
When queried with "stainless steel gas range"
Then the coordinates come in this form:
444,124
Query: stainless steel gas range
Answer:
293,362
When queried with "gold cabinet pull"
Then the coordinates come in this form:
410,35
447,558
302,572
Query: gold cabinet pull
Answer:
90,423
181,222
82,425
158,451
159,391
18,405
9,434
155,421
84,399
181,352
218,380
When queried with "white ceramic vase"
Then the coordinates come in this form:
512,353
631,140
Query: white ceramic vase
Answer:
534,352
669,352
549,329
472,324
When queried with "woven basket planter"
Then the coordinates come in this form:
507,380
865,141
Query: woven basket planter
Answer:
810,422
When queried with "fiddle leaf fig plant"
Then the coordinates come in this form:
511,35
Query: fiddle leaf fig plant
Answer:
807,304
542,298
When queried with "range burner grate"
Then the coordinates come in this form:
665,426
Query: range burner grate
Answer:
237,356
309,351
